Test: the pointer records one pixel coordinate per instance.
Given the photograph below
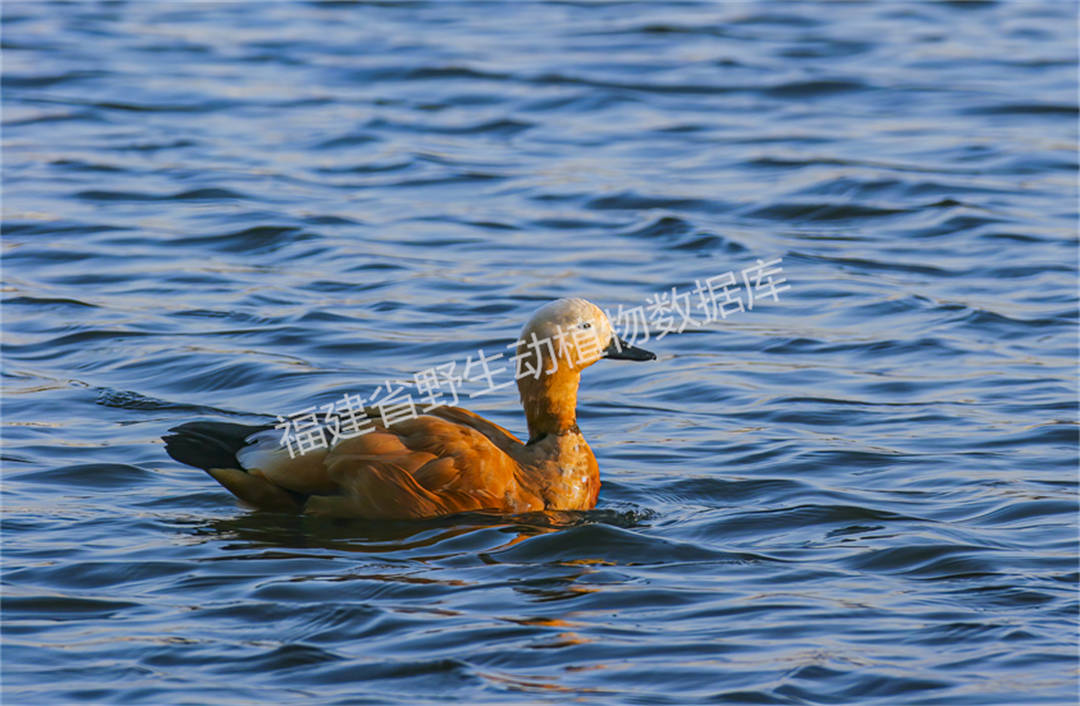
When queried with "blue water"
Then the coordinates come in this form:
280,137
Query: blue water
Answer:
864,492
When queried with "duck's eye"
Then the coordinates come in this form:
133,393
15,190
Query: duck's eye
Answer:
587,324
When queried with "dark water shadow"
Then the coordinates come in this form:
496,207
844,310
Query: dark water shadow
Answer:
285,530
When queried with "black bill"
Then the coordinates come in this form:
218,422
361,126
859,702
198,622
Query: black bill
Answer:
619,349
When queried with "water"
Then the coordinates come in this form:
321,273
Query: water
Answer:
864,492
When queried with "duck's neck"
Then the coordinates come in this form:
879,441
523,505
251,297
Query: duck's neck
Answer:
550,402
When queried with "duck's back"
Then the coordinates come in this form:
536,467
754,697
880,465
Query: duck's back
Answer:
435,464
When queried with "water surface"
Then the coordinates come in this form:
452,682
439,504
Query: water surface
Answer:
864,492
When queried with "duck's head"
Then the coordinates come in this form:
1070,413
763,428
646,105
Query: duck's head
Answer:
580,335
560,340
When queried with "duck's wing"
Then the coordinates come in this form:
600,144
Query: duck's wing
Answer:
435,464
495,433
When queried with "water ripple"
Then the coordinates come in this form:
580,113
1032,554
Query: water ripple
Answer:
863,492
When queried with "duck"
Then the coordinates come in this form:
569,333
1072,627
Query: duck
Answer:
443,461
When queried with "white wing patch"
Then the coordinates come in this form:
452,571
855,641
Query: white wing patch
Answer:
264,450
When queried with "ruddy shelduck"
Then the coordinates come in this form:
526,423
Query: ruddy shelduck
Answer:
446,460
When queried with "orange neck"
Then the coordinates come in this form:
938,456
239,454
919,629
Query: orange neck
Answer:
550,401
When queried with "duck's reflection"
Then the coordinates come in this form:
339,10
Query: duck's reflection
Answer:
288,530
466,552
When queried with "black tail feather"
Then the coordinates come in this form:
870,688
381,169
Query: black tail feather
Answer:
208,445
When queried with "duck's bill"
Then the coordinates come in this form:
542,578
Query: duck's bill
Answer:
619,349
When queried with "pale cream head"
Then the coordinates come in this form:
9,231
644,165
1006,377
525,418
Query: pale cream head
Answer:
578,330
